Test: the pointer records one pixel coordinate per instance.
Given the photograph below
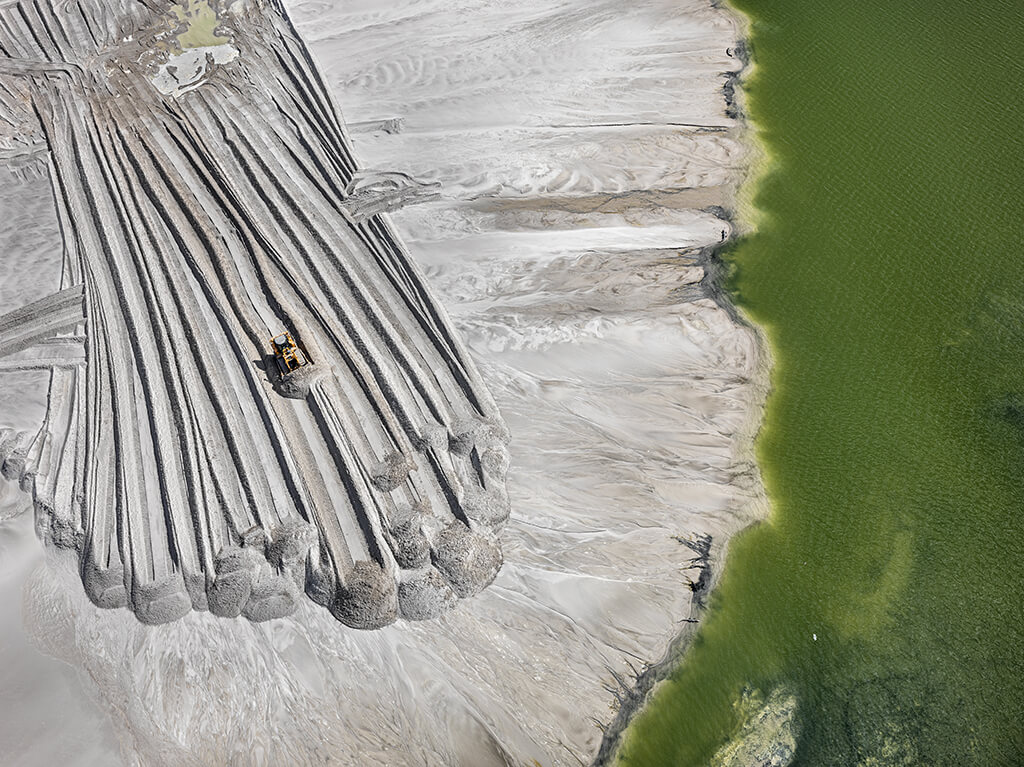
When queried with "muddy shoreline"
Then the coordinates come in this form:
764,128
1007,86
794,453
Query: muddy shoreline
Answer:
633,695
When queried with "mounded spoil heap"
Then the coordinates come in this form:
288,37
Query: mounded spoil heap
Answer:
202,178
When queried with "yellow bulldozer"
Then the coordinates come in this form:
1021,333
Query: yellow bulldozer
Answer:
287,354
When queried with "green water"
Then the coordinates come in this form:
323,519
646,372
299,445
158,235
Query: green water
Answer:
888,272
200,21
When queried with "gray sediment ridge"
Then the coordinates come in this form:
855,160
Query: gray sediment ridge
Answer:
704,556
183,468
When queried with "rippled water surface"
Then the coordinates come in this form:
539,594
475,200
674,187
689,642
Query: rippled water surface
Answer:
887,269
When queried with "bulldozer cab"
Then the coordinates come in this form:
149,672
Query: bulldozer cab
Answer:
287,354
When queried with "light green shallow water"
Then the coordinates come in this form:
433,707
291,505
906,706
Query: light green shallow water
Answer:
888,272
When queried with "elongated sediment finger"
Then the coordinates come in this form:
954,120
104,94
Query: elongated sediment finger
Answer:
207,406
153,580
349,328
144,534
158,432
102,569
364,239
197,236
54,488
277,218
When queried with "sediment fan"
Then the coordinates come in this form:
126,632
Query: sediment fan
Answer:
202,196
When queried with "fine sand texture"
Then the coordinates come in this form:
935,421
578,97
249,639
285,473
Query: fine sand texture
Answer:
459,210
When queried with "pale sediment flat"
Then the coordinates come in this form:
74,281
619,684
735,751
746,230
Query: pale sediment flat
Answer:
559,174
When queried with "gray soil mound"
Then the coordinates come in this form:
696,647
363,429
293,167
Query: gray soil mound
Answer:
368,600
272,596
468,560
105,586
411,548
488,507
298,384
237,569
425,596
161,601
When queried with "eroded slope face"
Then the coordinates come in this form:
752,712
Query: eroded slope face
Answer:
200,173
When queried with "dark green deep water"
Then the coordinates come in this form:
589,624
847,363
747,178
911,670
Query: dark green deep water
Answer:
888,272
